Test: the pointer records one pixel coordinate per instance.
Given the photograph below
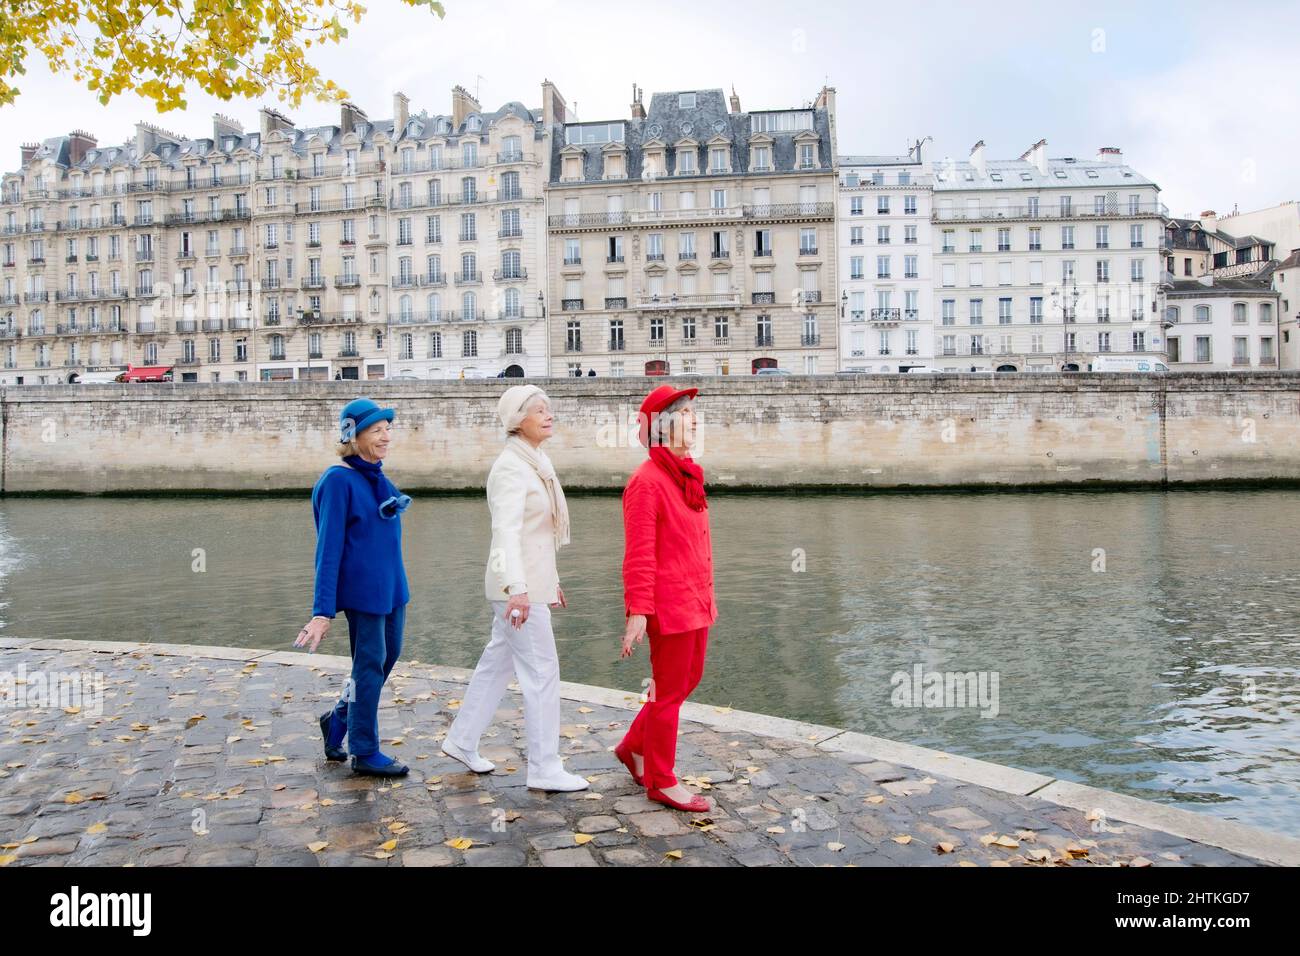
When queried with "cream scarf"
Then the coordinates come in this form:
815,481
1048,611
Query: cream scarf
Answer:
542,465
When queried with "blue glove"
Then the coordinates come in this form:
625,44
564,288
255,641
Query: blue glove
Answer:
394,506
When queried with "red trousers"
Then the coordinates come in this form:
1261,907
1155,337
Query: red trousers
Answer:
677,664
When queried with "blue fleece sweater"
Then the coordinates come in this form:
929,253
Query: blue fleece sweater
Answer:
358,553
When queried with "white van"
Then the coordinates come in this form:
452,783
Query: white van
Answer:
1127,363
99,378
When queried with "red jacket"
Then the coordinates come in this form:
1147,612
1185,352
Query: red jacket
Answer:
667,554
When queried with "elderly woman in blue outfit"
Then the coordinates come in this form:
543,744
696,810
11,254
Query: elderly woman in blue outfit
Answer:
359,571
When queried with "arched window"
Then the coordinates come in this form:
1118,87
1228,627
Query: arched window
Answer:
434,303
468,189
404,308
514,341
435,345
435,192
1202,313
1171,314
469,306
277,346
404,269
513,305
433,269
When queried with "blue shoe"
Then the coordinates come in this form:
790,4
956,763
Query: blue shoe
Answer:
363,766
331,751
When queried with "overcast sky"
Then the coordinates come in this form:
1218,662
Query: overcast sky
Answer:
1199,96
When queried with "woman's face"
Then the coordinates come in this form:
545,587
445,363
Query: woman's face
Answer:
538,424
688,424
373,442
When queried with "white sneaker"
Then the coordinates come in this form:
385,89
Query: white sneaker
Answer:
563,783
472,760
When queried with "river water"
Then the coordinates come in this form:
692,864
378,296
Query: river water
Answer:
1144,642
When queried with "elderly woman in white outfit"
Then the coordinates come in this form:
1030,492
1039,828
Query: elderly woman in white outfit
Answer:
530,521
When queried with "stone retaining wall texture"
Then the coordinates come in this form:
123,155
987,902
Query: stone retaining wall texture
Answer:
768,432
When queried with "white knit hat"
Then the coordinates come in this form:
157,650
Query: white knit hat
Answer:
511,406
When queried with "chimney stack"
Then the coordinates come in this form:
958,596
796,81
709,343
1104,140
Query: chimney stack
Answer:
462,104
977,158
1110,154
1037,156
225,126
272,120
79,144
29,150
553,106
638,109
401,113
350,115
735,101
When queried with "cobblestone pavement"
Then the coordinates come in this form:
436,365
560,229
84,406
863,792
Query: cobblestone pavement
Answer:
205,761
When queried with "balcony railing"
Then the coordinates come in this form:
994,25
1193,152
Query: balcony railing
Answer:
885,315
1045,211
762,298
810,339
571,305
763,340
469,278
313,282
508,275
726,300
347,281
187,325
616,302
212,325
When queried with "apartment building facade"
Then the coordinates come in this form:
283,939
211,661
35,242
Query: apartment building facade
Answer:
886,262
694,237
409,246
1222,304
1042,263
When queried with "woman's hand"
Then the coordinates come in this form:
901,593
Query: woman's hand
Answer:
517,609
635,632
311,635
559,594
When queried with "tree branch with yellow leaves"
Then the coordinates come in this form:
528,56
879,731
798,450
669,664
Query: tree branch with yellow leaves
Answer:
159,48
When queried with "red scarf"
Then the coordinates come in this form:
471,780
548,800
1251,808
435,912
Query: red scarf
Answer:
688,475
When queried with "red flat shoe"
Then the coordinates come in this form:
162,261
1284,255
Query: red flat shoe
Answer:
625,758
697,805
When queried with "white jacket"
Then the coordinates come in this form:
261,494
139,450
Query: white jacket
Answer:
523,532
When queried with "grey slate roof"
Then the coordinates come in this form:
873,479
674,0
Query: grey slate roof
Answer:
668,122
420,126
1259,283
1014,173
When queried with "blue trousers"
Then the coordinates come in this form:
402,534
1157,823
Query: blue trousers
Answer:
375,641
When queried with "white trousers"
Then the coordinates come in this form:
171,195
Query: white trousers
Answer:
529,655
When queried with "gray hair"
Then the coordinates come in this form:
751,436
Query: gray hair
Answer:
668,422
528,409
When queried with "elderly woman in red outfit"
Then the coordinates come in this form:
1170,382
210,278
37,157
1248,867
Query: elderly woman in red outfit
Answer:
667,587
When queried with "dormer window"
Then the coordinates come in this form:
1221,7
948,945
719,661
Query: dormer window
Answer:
686,101
807,155
686,161
474,123
615,167
761,159
572,168
719,161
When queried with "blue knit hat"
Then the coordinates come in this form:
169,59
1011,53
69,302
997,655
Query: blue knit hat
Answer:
358,415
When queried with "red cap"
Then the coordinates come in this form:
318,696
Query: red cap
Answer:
656,402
